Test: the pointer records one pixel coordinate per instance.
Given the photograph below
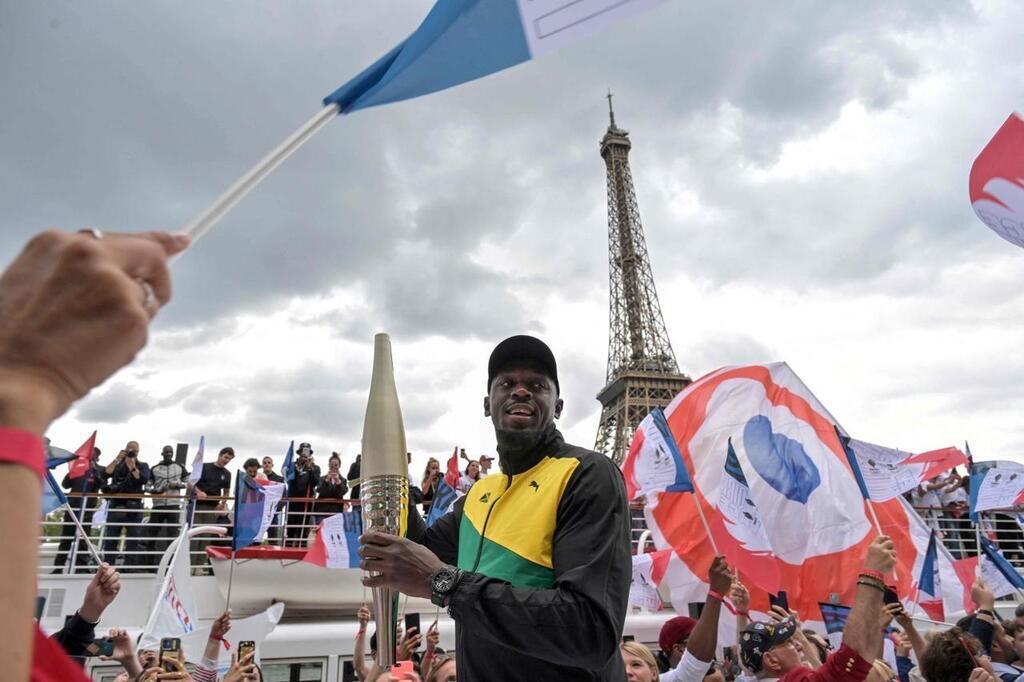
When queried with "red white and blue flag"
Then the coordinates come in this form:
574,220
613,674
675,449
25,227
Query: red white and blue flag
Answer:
804,489
929,583
885,473
446,493
336,544
997,182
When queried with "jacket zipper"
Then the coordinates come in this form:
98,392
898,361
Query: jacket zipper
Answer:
487,517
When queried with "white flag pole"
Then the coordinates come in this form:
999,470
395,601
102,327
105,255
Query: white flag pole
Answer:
707,528
231,580
84,535
203,222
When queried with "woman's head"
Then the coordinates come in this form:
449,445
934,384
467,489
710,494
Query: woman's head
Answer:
473,469
443,670
432,466
639,662
334,463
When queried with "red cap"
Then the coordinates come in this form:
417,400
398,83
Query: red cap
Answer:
675,630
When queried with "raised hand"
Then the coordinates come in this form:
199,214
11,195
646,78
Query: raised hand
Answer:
100,593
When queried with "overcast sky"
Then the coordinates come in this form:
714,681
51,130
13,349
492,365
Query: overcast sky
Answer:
801,169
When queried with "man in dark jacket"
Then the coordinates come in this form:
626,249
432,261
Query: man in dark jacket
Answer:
300,511
126,478
537,584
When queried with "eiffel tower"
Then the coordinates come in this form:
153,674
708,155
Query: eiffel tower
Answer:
642,369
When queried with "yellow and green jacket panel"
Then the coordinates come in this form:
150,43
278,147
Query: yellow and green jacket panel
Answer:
520,516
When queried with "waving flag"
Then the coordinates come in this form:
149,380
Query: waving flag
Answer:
654,463
743,523
999,575
336,544
53,496
83,458
56,456
995,485
648,572
804,488
997,182
250,502
99,518
446,492
929,584
197,463
174,613
462,40
288,468
884,473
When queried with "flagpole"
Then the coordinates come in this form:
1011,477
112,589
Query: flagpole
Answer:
203,222
707,528
230,581
85,536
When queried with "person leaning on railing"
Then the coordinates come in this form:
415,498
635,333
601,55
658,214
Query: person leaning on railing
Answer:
74,308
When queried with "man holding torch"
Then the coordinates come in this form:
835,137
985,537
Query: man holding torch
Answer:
533,564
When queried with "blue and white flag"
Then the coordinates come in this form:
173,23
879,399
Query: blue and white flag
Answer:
737,507
462,40
654,463
995,485
197,463
53,496
996,572
444,499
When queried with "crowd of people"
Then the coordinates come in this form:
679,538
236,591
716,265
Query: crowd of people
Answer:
147,505
536,585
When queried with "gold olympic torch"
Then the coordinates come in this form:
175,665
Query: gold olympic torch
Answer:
384,483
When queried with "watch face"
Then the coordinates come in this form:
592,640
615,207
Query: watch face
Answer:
443,581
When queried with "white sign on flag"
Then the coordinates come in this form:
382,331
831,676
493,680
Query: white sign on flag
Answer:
272,493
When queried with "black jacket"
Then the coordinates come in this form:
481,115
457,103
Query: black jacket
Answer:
570,631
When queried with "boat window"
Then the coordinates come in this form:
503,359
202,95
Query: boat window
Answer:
309,670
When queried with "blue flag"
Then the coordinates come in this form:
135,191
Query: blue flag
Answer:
56,456
53,496
852,459
462,40
288,468
926,583
444,497
249,501
682,484
1012,576
835,616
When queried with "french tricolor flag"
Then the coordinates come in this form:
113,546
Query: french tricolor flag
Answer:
337,542
929,586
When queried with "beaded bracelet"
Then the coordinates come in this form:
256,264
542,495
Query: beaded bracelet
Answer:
868,583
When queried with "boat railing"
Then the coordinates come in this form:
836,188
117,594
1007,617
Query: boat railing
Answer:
138,528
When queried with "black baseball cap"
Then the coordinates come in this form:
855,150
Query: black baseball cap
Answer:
757,638
520,348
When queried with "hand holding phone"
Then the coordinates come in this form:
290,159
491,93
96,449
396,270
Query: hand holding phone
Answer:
170,648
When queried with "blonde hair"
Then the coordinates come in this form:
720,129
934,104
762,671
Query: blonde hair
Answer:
643,653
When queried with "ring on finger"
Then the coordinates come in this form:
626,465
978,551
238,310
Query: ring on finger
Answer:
148,296
96,234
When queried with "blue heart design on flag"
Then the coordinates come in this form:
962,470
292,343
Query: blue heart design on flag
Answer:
780,460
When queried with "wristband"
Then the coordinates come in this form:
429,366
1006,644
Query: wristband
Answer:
869,583
988,612
716,595
877,575
21,447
